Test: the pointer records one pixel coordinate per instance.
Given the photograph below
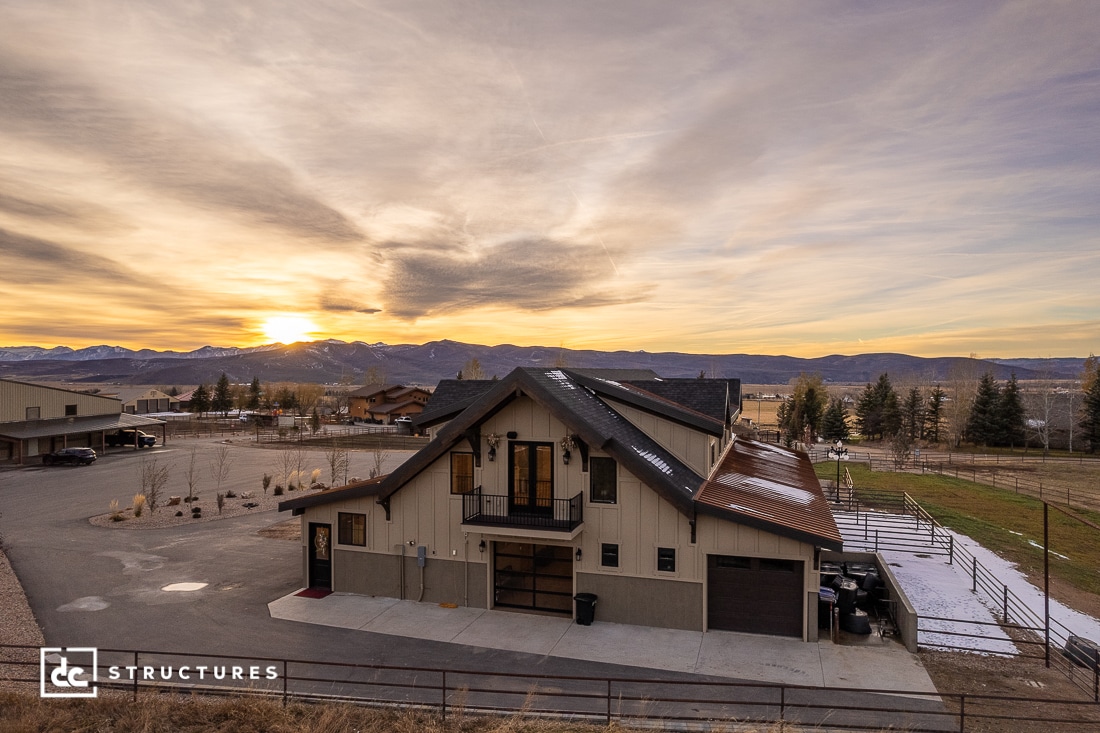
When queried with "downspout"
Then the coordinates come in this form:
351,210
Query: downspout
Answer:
420,597
401,572
466,569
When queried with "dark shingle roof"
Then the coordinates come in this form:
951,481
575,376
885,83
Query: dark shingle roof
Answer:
451,397
640,397
716,398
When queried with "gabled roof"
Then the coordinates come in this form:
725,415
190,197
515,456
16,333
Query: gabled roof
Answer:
716,398
387,407
369,390
637,394
772,488
451,397
367,487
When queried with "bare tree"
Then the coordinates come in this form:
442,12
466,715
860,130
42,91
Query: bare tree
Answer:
378,457
472,370
900,449
285,465
338,462
1041,401
192,475
219,468
154,477
962,384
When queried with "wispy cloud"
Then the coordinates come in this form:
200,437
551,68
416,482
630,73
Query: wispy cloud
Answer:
712,177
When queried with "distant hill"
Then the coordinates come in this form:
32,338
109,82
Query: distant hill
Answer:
338,361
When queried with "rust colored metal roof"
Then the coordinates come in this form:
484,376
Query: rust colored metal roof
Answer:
772,488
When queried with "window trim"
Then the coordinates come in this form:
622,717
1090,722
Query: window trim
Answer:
604,547
592,462
669,555
455,454
349,538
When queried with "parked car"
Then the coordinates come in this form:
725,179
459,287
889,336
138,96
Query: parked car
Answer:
71,456
125,436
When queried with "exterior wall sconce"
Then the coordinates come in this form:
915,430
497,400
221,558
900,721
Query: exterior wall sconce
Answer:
578,554
492,453
567,446
492,439
481,546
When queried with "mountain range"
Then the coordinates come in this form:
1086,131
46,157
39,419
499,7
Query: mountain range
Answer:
335,361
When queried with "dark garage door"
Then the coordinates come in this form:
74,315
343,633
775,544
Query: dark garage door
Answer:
754,595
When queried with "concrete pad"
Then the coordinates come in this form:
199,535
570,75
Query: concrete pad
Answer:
885,666
422,620
759,657
640,646
515,632
344,610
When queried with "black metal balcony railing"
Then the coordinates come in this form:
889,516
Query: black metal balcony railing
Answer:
553,514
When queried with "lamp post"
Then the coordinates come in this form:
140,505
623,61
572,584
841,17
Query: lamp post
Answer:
840,453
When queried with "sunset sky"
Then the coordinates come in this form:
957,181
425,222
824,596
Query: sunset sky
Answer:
800,178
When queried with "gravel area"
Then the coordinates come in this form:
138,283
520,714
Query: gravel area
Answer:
165,514
17,626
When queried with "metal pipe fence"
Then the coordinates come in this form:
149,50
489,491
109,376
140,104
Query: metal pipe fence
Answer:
626,701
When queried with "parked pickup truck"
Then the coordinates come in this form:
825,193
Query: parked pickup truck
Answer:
126,436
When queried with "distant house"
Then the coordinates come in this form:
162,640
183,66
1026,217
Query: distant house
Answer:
145,401
554,482
386,402
35,420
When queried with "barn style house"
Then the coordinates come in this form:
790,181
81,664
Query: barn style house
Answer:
549,483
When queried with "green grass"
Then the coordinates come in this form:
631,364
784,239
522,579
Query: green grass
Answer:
1001,521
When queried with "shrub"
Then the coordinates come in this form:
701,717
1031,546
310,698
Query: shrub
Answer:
231,494
278,490
221,501
316,474
139,504
266,482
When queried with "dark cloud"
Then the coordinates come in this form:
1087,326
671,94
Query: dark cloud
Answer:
329,303
155,149
526,275
42,262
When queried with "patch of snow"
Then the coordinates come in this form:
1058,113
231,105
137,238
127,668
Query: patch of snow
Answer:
764,486
655,459
739,508
1033,543
559,376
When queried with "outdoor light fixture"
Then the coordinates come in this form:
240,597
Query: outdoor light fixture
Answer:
492,453
840,453
578,554
492,439
481,546
567,446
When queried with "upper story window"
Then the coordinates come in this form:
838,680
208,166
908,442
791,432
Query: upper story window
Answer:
352,529
603,480
34,413
70,410
462,473
531,476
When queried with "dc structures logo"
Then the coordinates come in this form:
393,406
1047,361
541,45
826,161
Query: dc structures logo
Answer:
68,671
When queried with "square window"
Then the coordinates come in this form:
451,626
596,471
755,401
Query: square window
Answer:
666,559
462,473
34,413
609,555
70,410
603,481
352,529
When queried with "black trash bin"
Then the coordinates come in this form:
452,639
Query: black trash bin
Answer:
586,608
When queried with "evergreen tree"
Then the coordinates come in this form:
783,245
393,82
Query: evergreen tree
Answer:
314,422
983,426
200,400
801,420
222,401
834,423
1090,415
877,412
254,393
933,415
912,415
1011,418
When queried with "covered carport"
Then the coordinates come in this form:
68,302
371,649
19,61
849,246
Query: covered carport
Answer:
35,438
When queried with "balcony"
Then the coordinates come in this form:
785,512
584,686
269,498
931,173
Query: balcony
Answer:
550,515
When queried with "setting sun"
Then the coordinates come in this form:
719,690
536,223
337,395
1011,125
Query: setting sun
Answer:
288,329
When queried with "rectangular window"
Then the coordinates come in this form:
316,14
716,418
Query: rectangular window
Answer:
352,529
609,555
462,473
603,481
666,559
34,413
70,410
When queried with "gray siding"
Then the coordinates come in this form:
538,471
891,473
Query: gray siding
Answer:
670,604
